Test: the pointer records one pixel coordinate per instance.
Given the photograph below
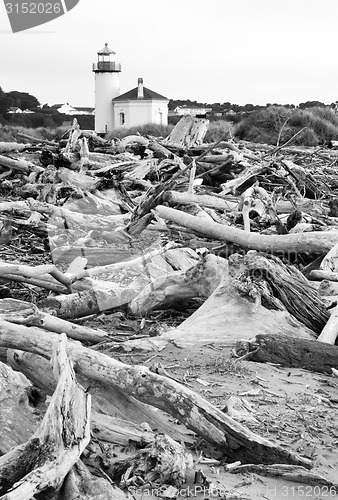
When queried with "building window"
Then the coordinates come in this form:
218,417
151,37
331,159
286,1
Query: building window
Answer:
122,118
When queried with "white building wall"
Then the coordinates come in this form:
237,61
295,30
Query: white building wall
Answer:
140,112
107,86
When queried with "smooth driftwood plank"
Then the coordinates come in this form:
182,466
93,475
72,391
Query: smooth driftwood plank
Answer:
292,352
311,242
196,413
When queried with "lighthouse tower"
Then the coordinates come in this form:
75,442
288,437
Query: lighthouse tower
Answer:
107,86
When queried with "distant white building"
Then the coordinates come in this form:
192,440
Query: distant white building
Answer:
67,109
14,109
191,110
138,106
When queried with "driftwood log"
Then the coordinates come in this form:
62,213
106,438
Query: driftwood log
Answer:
159,391
292,352
289,244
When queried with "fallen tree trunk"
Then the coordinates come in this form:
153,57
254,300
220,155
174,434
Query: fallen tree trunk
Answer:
44,461
291,352
182,403
307,243
25,313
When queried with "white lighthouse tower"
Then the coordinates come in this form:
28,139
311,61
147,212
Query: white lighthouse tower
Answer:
107,87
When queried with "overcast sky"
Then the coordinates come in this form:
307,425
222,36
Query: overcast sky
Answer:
242,51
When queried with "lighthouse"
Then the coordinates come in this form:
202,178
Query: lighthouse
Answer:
107,87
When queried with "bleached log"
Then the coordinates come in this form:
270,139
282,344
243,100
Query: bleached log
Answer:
31,138
220,203
321,274
32,272
19,165
159,391
329,333
248,173
314,242
292,352
6,147
46,458
25,313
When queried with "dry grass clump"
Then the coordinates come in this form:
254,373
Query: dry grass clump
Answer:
9,133
276,122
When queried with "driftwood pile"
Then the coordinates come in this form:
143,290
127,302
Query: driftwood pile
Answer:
249,232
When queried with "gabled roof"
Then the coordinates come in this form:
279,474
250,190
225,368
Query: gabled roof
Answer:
147,95
14,108
105,51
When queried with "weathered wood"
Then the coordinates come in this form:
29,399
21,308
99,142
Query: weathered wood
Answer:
25,313
329,333
188,132
313,242
163,461
32,272
287,285
249,172
6,147
199,281
292,352
18,420
116,416
294,473
19,165
164,393
45,459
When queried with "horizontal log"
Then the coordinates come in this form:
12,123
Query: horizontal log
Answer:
307,243
293,352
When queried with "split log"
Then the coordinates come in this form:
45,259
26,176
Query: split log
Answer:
25,313
291,352
159,391
44,461
159,150
307,243
188,132
198,281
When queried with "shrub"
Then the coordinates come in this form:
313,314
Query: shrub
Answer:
266,125
217,130
144,130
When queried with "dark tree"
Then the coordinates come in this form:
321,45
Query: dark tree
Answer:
22,100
